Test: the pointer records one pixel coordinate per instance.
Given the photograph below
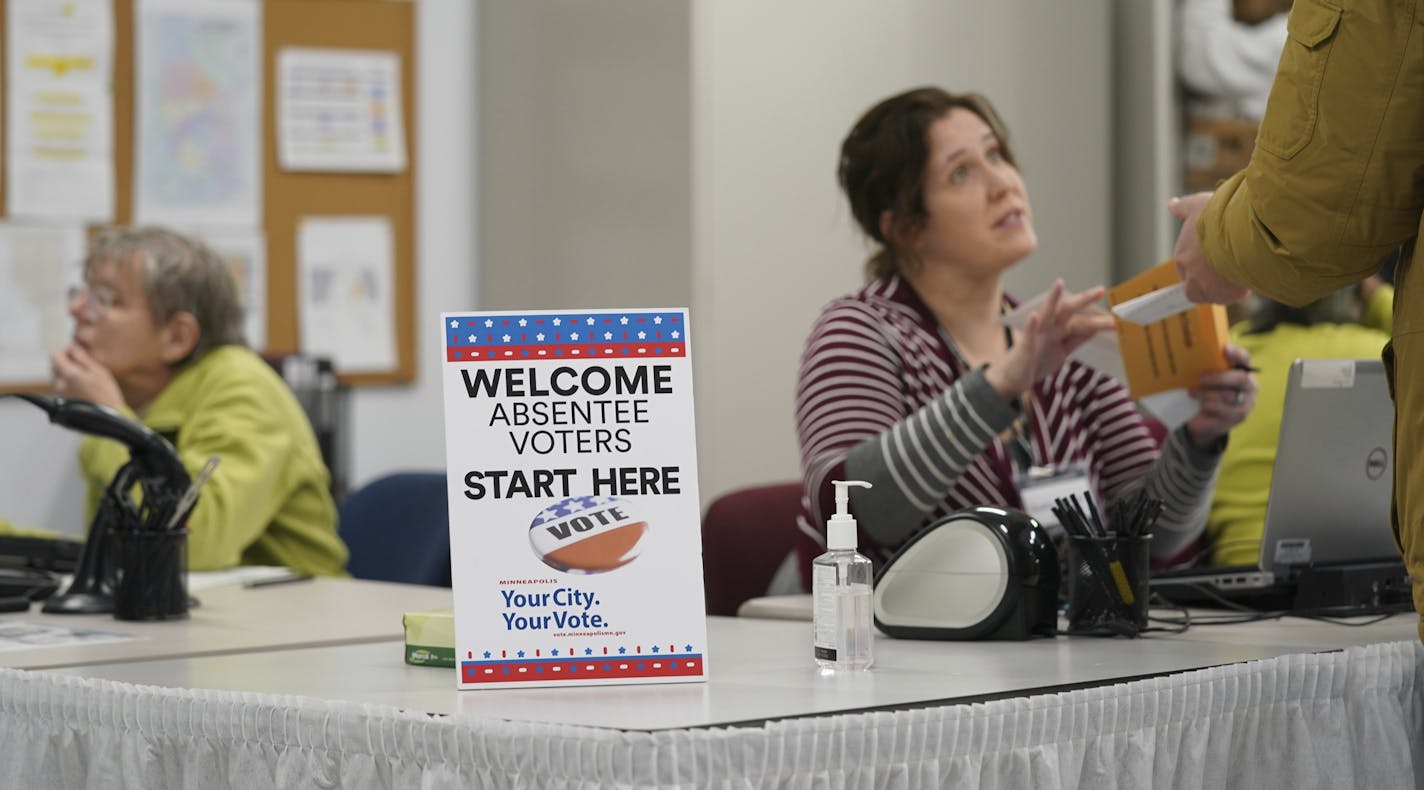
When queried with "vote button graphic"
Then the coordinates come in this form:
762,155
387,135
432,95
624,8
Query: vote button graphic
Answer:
587,534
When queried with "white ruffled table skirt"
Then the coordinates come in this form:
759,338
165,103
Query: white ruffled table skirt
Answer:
1331,720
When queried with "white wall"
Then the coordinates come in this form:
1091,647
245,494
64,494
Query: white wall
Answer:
39,483
762,239
775,88
392,427
1147,122
585,154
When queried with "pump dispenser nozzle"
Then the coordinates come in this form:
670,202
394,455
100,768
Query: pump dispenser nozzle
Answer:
840,529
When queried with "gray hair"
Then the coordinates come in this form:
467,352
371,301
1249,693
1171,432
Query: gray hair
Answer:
180,275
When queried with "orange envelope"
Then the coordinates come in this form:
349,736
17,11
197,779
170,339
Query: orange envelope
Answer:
1175,351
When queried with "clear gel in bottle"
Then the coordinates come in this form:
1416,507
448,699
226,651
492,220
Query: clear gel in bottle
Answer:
840,585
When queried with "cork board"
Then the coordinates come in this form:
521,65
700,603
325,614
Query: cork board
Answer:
346,24
287,197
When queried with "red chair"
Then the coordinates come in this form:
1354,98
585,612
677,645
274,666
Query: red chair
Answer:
746,535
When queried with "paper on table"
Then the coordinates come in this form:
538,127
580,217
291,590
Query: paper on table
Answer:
28,635
1155,306
206,580
1101,352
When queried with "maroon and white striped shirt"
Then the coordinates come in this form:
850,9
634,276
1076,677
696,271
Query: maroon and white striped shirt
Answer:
881,397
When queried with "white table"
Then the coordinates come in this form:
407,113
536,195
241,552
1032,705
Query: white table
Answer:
758,670
1174,711
1290,631
235,619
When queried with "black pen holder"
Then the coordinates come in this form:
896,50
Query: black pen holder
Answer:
151,574
1107,585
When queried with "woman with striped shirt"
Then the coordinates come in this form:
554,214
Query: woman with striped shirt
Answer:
912,382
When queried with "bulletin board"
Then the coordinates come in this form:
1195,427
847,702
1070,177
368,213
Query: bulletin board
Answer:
288,197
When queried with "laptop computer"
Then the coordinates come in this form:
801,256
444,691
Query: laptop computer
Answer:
1328,510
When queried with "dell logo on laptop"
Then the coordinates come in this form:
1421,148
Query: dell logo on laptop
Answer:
1376,463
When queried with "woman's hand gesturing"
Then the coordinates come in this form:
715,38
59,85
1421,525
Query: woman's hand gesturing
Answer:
1066,321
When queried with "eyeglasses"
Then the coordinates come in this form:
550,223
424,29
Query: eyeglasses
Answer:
97,301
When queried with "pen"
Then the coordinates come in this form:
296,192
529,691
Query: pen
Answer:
1247,368
288,579
189,496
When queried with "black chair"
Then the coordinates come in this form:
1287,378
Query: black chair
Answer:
398,529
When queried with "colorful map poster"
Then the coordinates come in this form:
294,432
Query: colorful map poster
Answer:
575,532
198,102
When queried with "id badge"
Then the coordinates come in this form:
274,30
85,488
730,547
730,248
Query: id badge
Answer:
1041,485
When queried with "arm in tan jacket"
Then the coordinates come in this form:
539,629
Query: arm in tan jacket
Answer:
1337,177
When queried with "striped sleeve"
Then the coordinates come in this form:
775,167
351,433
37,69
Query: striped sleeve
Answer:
1183,478
849,409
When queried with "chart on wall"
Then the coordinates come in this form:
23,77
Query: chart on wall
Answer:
339,111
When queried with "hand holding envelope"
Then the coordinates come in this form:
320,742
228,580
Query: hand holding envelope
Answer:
1161,360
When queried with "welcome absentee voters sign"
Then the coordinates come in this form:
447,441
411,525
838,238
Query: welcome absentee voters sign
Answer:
575,533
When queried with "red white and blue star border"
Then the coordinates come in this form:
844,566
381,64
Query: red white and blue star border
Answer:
517,337
581,664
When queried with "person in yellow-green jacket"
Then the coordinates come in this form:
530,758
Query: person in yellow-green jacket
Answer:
1333,186
1347,323
158,336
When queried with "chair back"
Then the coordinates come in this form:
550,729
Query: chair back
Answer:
397,528
746,535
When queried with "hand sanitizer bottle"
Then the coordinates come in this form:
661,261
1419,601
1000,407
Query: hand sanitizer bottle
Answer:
840,585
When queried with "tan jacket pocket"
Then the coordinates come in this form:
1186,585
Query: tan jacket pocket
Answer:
1291,111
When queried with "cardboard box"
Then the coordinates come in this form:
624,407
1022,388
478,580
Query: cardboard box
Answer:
1175,351
430,638
1216,148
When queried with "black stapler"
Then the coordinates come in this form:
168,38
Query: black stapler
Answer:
30,568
